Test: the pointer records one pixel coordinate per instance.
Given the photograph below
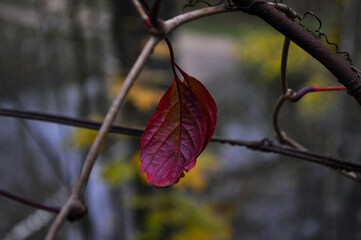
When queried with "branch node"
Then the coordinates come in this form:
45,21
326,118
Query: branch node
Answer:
77,210
159,30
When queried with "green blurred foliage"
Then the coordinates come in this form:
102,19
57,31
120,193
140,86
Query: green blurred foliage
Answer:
118,171
174,213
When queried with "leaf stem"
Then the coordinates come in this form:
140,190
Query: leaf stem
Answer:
171,54
154,13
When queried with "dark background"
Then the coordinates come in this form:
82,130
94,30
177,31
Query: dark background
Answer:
70,58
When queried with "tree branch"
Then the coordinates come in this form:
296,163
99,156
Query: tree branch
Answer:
74,204
29,202
279,134
285,48
281,22
179,20
140,10
263,145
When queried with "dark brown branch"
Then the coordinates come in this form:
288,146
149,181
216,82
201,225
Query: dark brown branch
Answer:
264,145
89,124
29,202
286,46
278,20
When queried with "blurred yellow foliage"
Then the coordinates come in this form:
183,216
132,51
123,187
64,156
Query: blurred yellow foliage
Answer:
196,178
116,172
172,213
143,98
83,138
136,162
181,216
161,51
263,50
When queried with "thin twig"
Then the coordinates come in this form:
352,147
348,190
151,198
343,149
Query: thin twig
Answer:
140,10
179,20
29,202
263,145
95,148
279,134
296,96
69,121
346,168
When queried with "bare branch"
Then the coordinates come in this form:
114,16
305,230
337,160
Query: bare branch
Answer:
179,20
74,200
278,20
286,46
29,202
264,145
140,10
69,121
279,134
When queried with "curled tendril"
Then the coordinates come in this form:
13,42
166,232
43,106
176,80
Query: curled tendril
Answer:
319,34
192,3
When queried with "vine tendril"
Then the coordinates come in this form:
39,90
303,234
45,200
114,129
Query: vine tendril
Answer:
319,34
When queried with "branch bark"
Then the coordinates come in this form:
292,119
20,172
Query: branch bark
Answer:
278,20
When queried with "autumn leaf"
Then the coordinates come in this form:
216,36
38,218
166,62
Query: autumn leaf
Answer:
208,105
179,130
174,136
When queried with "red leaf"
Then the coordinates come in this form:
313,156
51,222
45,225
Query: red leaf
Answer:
173,137
208,105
